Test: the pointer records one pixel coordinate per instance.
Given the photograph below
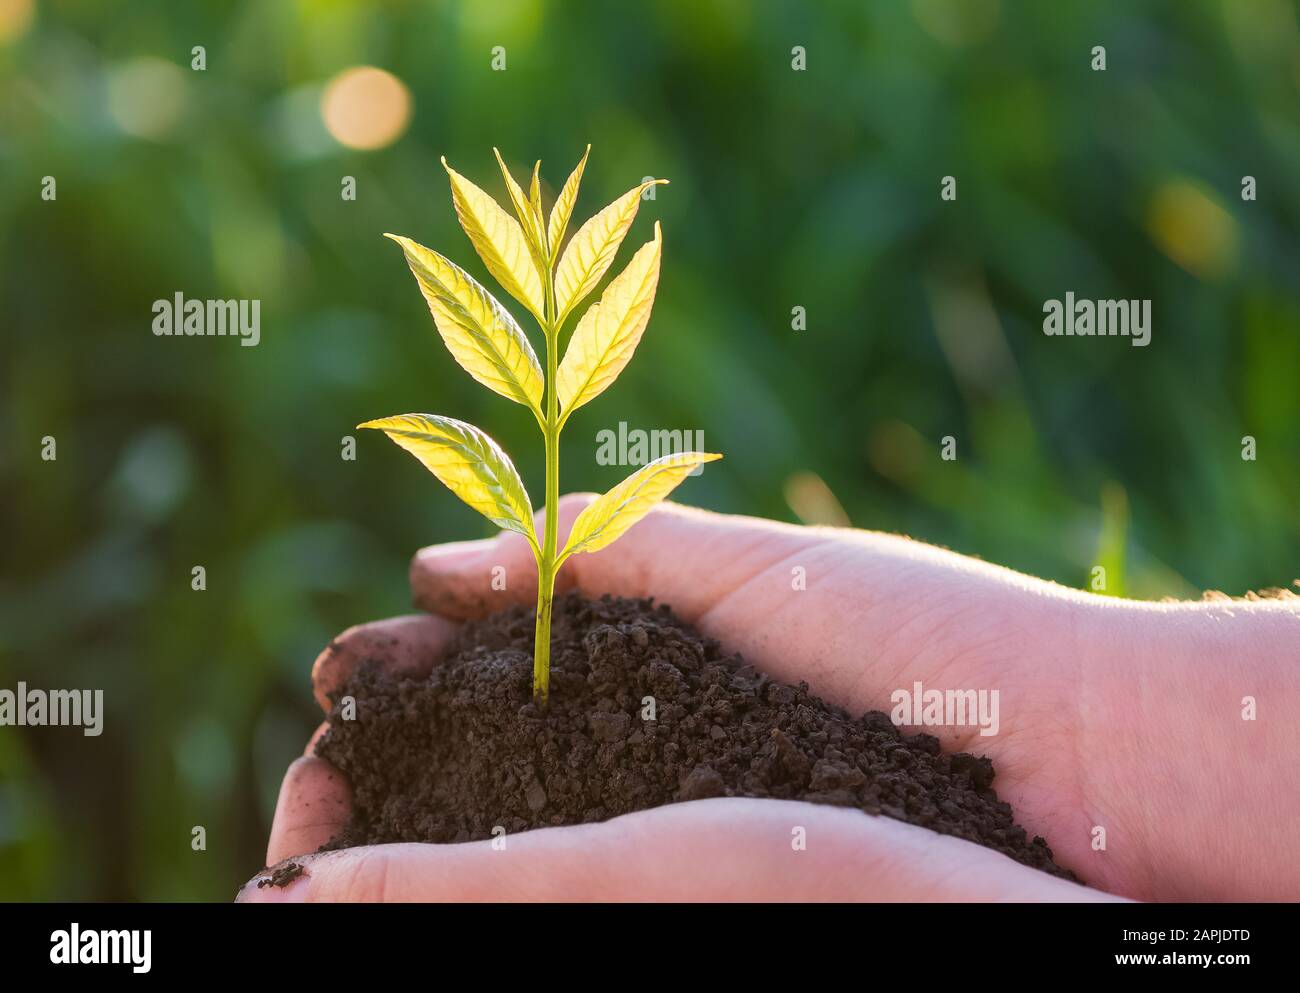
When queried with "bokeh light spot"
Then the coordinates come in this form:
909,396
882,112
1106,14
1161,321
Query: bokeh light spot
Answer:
812,501
1190,226
957,22
15,19
147,96
897,451
366,108
501,22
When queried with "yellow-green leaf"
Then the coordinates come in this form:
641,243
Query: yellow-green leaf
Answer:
607,517
480,333
608,333
468,462
592,249
563,209
535,195
499,241
529,218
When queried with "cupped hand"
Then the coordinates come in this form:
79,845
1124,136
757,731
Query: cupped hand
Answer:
1121,725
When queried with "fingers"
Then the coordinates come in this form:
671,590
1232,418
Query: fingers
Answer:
410,644
719,850
690,556
856,614
468,579
313,807
315,799
315,737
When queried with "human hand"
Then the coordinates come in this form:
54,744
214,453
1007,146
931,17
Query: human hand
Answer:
1114,714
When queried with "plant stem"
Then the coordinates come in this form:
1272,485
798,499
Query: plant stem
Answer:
546,562
542,639
546,567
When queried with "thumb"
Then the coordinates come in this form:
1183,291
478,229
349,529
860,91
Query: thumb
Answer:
468,579
692,557
721,850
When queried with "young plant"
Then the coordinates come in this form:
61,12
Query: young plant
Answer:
524,257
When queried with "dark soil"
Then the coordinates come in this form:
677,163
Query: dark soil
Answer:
282,876
447,757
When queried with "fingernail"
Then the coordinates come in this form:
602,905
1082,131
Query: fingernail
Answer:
260,889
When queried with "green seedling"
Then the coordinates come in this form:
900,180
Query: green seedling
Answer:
524,257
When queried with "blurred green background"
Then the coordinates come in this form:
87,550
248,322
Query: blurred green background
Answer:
816,188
